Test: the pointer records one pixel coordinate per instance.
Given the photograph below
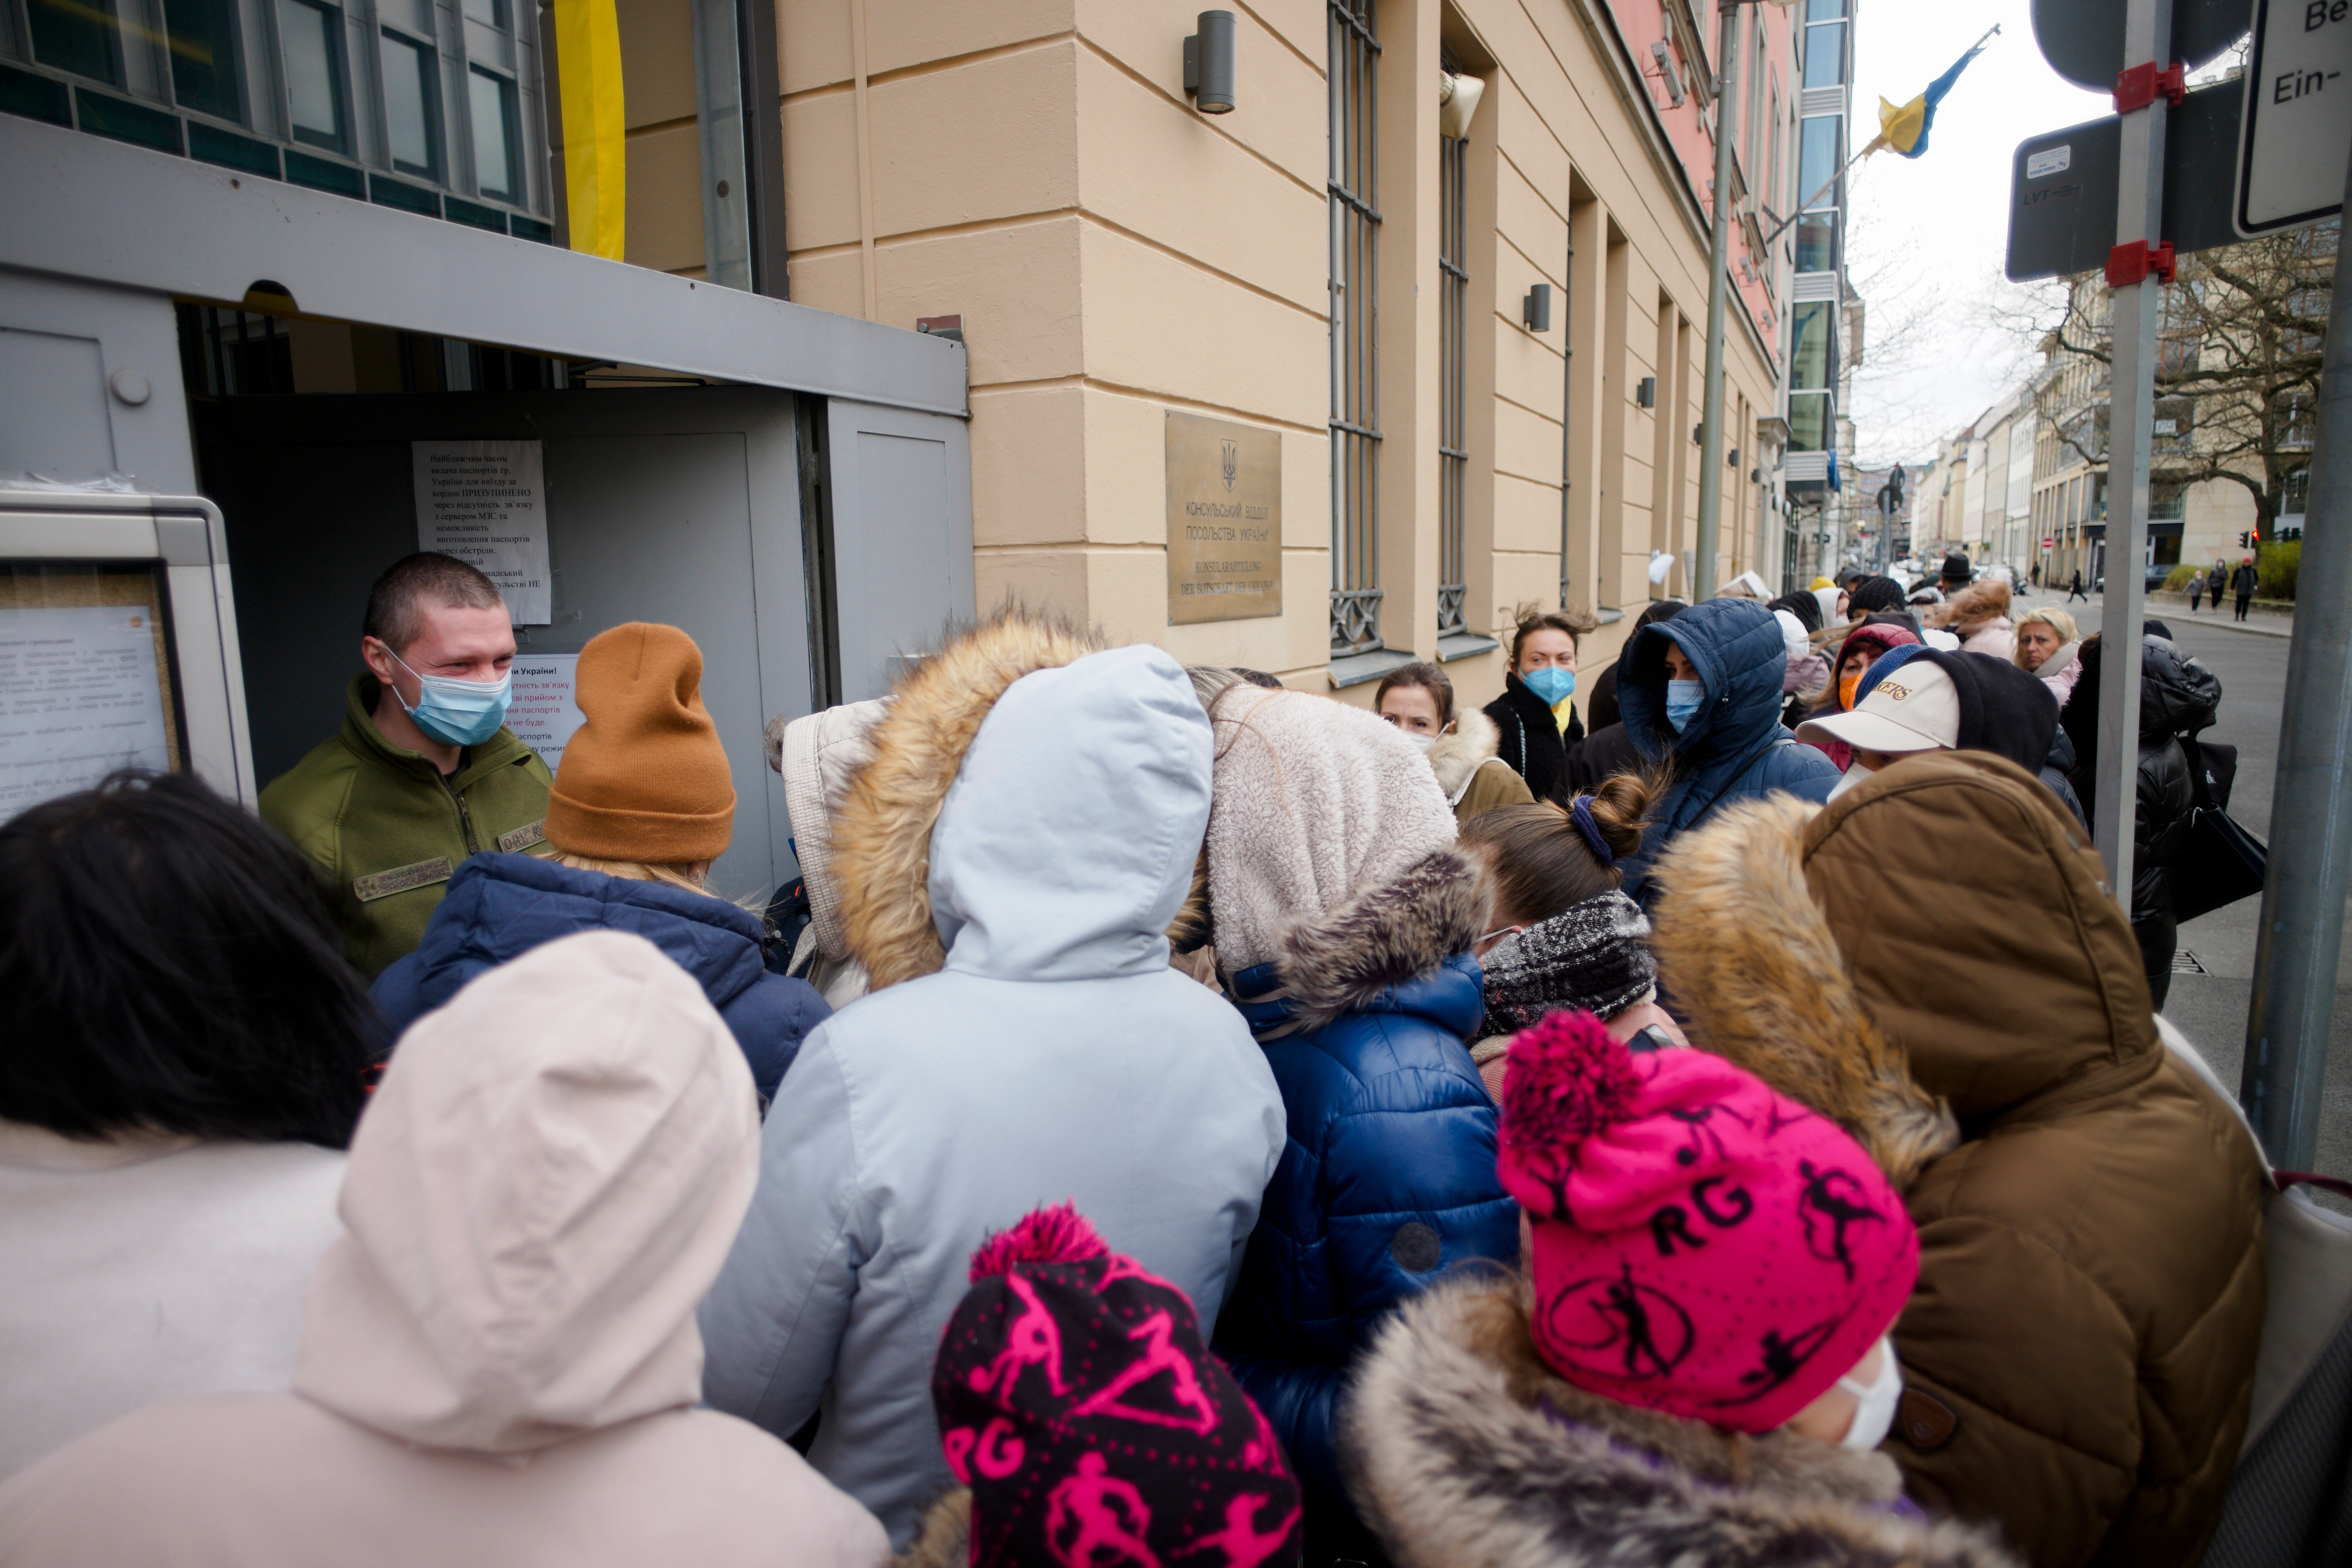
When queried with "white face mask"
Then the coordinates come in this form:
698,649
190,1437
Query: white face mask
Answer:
1855,774
1424,742
1873,1416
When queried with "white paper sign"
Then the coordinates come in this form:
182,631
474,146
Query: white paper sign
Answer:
79,698
545,711
485,502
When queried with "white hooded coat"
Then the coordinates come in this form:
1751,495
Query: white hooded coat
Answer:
498,1360
1026,1044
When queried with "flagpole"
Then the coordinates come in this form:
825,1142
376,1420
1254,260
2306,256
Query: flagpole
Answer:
1875,143
1719,291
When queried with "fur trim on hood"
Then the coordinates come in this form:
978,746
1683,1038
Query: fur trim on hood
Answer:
1397,931
1455,757
1463,1450
944,1538
1749,956
882,833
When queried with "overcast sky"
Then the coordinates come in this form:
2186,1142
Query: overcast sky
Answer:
1929,233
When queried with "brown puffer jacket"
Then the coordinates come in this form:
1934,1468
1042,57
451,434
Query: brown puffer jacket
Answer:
2080,1348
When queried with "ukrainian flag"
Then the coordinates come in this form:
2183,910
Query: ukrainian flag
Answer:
1905,129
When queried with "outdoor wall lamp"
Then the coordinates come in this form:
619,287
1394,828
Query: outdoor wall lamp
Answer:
1535,310
1645,395
1209,63
1457,102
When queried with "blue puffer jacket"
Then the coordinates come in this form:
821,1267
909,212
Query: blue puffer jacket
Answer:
499,907
1735,747
1388,1178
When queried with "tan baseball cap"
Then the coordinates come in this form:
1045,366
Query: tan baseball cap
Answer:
1916,707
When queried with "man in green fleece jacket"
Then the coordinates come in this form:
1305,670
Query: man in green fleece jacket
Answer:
424,771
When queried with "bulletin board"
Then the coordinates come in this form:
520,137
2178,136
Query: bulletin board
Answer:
85,677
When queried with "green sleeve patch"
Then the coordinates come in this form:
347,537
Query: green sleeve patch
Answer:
400,878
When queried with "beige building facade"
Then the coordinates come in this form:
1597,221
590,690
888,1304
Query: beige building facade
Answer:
1116,256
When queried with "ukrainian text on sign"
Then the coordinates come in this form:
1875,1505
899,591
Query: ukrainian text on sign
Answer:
1224,519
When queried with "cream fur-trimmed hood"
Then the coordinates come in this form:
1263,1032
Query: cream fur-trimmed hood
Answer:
816,755
882,832
1749,958
1455,756
1463,1451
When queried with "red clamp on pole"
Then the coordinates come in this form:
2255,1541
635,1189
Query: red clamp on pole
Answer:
2129,263
2138,86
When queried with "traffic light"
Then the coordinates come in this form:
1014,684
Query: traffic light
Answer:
2244,538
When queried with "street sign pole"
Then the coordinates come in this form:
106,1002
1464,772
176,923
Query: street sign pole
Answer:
1718,292
2304,891
2131,417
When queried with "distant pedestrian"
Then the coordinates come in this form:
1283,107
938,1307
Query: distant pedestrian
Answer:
2242,582
2074,588
2196,591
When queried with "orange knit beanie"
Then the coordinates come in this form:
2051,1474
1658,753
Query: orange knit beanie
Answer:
644,779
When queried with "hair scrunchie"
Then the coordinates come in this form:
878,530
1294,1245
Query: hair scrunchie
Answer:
1582,810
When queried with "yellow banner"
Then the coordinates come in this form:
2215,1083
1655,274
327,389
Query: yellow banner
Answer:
596,127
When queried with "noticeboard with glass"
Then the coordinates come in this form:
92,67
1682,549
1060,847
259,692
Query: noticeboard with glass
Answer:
86,679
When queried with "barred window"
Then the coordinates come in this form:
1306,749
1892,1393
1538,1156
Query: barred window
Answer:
1452,451
1355,220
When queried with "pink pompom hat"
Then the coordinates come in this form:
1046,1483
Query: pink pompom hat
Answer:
1702,1245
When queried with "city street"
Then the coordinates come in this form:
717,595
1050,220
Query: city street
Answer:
2214,969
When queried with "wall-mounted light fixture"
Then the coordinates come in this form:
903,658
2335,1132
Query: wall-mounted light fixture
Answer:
1535,310
1645,394
1209,63
1666,72
1457,103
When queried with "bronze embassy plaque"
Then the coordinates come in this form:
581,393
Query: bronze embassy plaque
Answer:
1225,520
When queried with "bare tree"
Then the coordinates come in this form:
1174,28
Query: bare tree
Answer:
2237,371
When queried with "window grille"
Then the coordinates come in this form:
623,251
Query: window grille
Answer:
1452,449
1355,229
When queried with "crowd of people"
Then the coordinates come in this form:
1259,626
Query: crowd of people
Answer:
1169,1119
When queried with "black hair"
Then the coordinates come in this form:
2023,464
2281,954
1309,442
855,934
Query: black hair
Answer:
168,963
394,605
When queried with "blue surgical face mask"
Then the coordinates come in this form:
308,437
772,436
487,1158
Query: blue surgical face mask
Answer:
1683,699
457,712
1551,683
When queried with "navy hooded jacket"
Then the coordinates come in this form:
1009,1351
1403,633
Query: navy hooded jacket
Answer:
1735,747
499,907
1388,1181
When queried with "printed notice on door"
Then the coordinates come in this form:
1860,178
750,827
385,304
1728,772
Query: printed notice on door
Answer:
485,502
80,697
1225,520
545,710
